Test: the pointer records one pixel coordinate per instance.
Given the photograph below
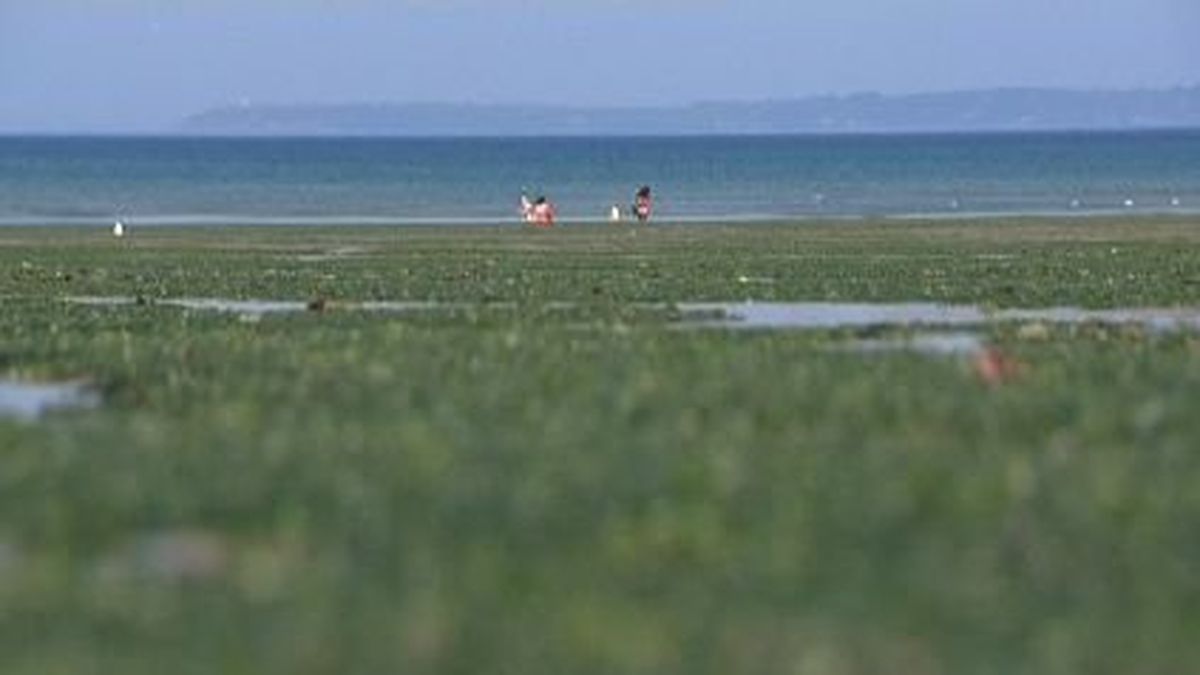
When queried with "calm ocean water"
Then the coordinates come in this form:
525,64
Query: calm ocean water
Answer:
182,180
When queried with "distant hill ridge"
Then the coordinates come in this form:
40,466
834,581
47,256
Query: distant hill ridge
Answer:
982,110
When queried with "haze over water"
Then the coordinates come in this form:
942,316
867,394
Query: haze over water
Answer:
82,66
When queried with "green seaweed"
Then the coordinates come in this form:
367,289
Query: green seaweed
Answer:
518,486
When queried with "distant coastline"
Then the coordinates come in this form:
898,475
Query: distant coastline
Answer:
990,110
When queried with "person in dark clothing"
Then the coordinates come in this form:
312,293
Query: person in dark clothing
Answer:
643,204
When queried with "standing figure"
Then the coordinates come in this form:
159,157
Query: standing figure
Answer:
643,204
526,208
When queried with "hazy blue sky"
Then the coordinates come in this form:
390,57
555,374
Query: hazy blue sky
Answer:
143,64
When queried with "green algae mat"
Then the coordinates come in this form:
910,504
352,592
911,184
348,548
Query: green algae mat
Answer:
495,450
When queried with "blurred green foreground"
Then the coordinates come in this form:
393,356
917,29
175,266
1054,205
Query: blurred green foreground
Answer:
555,475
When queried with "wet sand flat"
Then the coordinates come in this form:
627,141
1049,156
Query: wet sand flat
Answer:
955,447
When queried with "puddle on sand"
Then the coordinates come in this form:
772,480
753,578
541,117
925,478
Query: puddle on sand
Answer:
832,316
748,315
214,304
342,253
28,401
1157,320
237,306
929,344
820,315
260,307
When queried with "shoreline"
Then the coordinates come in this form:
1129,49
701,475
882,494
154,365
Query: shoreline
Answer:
242,220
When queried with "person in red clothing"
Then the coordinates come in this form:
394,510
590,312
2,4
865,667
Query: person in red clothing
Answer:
643,204
543,213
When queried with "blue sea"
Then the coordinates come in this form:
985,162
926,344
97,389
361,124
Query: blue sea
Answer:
211,180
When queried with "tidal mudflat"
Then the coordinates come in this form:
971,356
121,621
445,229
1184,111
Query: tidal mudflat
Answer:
490,449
